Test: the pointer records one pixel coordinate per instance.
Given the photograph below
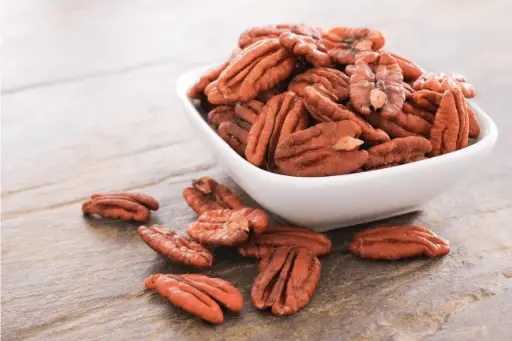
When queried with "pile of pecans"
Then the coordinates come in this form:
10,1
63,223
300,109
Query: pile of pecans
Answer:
289,267
300,101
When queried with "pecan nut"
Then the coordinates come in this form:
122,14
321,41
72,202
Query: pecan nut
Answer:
287,280
220,228
398,151
259,67
124,206
334,81
316,152
307,47
324,109
220,114
178,249
344,44
397,242
274,31
198,89
410,70
401,125
206,195
280,117
297,237
198,294
442,81
450,131
377,82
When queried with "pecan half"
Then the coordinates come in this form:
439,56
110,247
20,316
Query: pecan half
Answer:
402,124
377,82
235,136
334,81
124,206
410,70
397,242
324,109
220,114
259,67
307,47
293,236
287,280
281,116
198,89
198,294
442,81
316,151
399,150
274,31
344,44
206,195
220,228
178,249
451,125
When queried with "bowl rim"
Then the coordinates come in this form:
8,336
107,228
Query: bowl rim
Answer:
484,143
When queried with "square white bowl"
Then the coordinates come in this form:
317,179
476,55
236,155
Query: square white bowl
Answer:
326,203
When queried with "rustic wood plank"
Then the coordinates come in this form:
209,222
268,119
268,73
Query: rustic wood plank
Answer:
96,111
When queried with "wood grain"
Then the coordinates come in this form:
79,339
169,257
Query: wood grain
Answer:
89,106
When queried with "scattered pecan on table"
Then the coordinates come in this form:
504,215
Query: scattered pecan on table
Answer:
198,294
124,206
284,235
286,281
397,242
178,249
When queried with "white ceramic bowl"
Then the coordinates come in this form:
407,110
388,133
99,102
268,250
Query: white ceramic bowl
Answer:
331,202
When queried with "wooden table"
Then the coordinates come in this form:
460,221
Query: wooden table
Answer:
89,106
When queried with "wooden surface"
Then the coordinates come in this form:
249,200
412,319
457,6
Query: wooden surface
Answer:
89,106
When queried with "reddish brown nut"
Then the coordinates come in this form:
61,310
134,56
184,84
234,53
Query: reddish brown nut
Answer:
125,206
474,127
344,44
392,128
442,81
280,117
399,150
220,228
210,76
220,114
397,242
410,70
401,125
178,249
334,81
410,108
451,125
307,47
206,195
197,294
259,67
316,151
274,31
235,136
377,82
292,236
287,280
324,109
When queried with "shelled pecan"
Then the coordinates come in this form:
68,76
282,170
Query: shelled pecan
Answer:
259,67
307,47
451,125
398,151
220,228
377,82
335,82
287,280
204,81
274,31
283,115
397,242
316,151
206,195
198,294
442,81
282,235
178,249
124,206
410,69
344,43
324,109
